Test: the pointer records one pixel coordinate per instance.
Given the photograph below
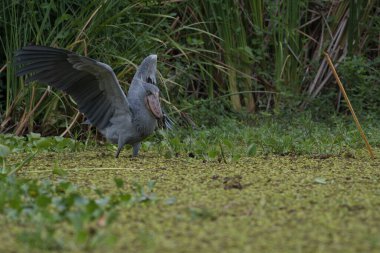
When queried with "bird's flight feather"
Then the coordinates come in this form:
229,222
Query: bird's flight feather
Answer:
92,84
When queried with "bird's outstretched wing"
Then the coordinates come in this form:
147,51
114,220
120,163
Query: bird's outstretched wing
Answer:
92,84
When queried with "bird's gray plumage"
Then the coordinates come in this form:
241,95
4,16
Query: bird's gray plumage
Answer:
94,87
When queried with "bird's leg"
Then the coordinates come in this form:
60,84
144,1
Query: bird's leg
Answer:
136,148
120,145
118,151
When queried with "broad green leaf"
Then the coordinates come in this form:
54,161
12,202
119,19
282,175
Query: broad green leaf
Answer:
4,151
252,150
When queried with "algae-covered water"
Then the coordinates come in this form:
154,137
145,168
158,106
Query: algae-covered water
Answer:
259,204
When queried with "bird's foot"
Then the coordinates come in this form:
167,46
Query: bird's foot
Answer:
133,158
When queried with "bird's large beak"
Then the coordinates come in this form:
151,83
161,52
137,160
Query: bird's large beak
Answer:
151,62
147,69
153,103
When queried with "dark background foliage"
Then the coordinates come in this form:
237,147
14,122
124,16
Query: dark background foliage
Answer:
228,57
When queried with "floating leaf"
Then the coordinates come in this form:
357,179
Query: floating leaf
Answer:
320,180
119,182
171,201
43,201
59,171
125,197
91,206
151,184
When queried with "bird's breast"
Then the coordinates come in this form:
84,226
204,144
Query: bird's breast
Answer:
144,123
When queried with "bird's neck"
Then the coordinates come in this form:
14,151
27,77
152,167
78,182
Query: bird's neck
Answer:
136,95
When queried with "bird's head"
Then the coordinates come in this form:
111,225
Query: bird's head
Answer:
147,69
144,86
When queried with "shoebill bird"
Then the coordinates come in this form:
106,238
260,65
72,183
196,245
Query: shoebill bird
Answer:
122,119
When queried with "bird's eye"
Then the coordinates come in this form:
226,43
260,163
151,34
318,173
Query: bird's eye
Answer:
149,80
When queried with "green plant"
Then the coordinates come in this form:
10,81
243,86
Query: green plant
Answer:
361,79
43,206
34,142
268,134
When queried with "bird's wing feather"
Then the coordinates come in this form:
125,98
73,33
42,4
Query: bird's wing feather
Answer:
92,84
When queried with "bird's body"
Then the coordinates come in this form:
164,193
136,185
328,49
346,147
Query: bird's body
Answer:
93,85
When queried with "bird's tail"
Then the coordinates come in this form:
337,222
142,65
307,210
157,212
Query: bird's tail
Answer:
166,122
